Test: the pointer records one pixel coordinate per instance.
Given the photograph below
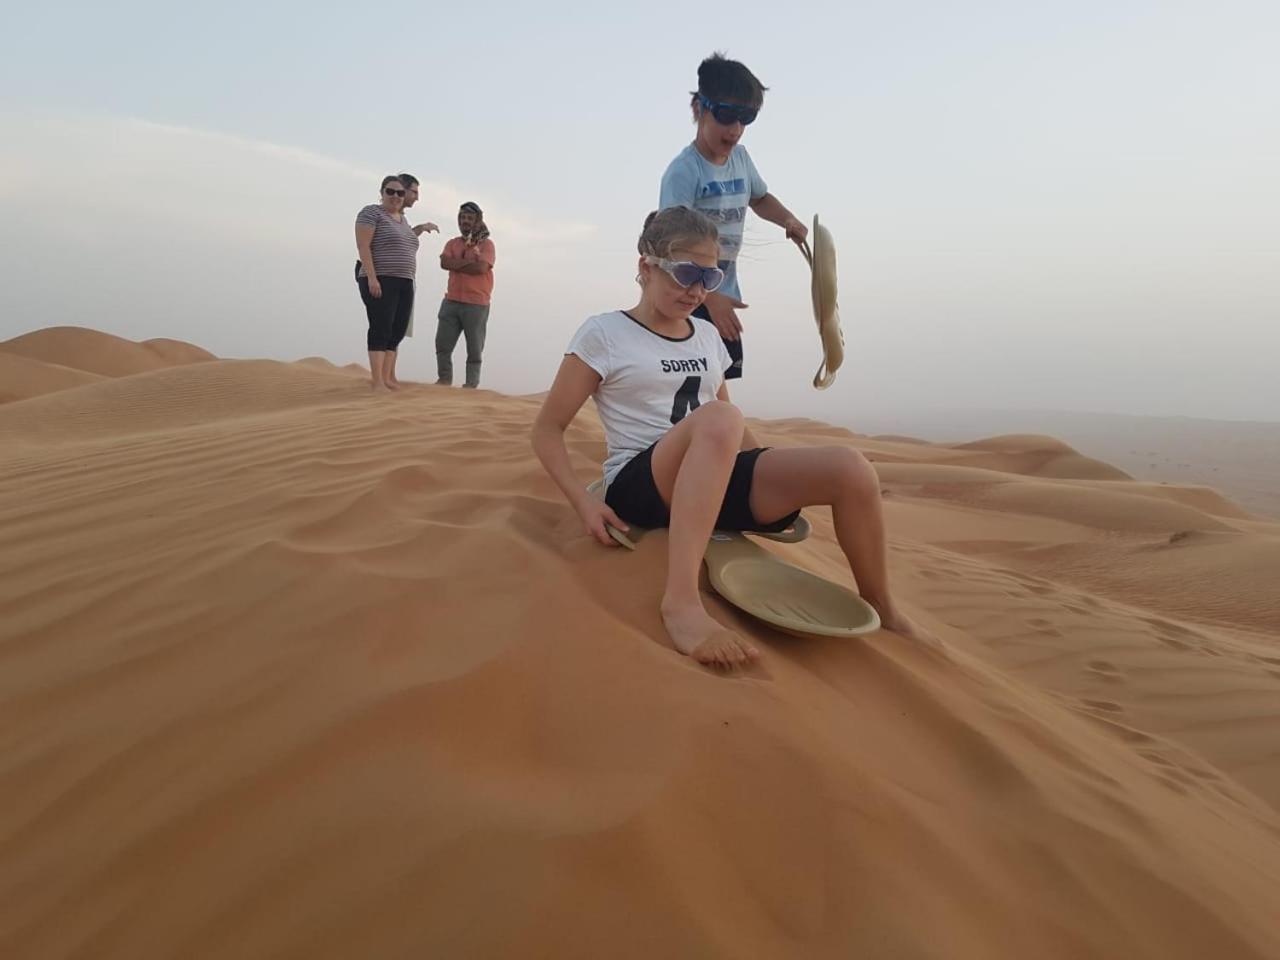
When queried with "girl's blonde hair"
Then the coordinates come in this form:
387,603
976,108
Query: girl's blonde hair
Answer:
675,228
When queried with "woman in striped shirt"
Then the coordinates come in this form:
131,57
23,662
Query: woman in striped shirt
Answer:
388,249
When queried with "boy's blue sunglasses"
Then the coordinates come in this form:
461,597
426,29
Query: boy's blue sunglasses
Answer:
729,113
687,273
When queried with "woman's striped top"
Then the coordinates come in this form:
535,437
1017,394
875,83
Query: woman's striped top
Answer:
395,245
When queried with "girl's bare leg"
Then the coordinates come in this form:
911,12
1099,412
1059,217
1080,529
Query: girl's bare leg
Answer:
691,467
787,480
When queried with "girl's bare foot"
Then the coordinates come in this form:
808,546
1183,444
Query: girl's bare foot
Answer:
380,388
901,624
697,635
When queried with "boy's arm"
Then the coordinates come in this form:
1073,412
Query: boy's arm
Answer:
724,314
770,208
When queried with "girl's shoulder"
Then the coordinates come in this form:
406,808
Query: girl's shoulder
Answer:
593,342
597,325
604,322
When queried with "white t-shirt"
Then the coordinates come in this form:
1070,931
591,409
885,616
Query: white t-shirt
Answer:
648,382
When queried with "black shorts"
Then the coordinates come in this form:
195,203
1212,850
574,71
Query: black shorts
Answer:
634,496
733,346
388,314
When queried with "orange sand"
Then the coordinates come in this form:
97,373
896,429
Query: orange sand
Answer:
289,670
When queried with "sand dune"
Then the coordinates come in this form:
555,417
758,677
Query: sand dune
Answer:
169,398
290,670
178,351
320,363
21,377
102,353
1035,456
1238,458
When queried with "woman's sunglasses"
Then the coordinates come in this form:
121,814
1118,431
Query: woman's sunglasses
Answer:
728,114
392,190
687,273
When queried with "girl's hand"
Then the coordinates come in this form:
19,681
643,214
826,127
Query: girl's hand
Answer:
375,288
595,515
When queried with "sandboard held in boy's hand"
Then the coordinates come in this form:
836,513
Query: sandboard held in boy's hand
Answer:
822,265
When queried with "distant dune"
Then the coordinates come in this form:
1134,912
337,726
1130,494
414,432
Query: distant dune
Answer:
290,670
320,363
102,353
22,377
1240,459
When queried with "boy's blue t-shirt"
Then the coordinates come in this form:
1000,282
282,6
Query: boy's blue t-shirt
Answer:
722,193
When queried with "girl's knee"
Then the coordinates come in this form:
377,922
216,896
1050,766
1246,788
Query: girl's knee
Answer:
718,420
855,472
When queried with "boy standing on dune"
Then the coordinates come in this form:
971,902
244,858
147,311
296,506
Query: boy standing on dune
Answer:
715,176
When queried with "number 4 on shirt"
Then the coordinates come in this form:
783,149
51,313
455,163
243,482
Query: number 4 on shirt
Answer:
686,399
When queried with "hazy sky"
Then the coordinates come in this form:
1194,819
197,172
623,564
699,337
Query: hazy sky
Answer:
1068,205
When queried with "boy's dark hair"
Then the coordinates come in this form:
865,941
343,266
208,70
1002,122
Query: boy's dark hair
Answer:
408,179
721,79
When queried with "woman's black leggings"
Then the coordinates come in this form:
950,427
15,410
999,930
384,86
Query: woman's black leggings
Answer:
388,314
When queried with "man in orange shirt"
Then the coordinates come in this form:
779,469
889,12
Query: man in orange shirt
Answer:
469,258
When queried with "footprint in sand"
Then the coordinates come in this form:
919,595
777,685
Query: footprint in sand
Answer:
1123,732
1105,669
1167,628
1208,776
1173,773
1043,626
1173,784
1105,706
